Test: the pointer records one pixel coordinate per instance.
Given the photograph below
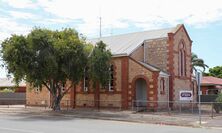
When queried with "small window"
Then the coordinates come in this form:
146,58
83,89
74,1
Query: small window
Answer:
111,81
85,80
162,86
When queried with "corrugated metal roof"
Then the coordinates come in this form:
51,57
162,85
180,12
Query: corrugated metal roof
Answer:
126,43
149,66
5,82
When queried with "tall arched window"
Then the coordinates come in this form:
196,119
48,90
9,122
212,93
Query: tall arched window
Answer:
86,80
162,86
182,60
111,88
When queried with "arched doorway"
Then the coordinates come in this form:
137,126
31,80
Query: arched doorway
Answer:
141,93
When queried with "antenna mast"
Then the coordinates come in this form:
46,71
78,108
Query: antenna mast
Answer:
100,27
100,23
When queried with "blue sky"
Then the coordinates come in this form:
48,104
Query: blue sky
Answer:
203,21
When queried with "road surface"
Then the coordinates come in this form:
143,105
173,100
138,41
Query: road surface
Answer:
16,123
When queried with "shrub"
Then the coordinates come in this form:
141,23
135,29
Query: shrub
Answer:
7,90
218,104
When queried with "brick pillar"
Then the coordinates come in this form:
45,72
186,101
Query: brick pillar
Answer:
97,96
171,67
155,87
124,81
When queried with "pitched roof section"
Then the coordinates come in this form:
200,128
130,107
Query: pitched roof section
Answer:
5,82
209,80
126,43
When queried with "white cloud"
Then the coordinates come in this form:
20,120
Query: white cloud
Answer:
143,13
22,15
8,27
20,3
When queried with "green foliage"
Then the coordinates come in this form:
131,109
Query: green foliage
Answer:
7,90
219,98
99,64
218,105
51,58
46,57
215,72
198,62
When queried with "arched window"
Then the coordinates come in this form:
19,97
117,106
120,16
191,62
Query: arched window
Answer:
86,80
162,86
111,81
182,60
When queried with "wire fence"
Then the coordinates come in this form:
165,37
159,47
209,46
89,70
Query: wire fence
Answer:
211,109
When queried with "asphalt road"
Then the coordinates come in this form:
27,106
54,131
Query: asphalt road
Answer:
59,124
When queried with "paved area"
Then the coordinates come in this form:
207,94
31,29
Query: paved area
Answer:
127,116
29,123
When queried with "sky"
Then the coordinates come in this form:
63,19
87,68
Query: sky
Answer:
202,18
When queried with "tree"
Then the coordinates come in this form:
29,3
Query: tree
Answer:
197,62
99,68
215,71
99,64
47,58
218,105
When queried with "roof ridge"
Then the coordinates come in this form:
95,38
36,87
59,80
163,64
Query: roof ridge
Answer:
130,33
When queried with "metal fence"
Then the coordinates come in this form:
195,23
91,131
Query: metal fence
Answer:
153,107
177,107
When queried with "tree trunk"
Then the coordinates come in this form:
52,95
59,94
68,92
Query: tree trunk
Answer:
56,103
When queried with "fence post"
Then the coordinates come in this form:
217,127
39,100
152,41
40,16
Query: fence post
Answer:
67,106
132,106
192,107
180,106
120,105
212,115
45,104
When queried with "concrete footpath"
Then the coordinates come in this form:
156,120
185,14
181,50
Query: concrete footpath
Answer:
128,116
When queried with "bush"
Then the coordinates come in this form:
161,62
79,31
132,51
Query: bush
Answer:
7,90
218,105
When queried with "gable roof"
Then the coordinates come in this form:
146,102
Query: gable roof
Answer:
209,80
124,44
5,82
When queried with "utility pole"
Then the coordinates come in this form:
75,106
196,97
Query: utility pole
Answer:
199,76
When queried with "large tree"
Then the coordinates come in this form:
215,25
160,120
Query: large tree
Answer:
198,62
47,58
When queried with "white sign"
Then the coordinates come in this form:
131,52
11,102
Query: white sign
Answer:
186,95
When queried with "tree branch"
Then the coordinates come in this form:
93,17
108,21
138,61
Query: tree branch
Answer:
45,84
67,90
